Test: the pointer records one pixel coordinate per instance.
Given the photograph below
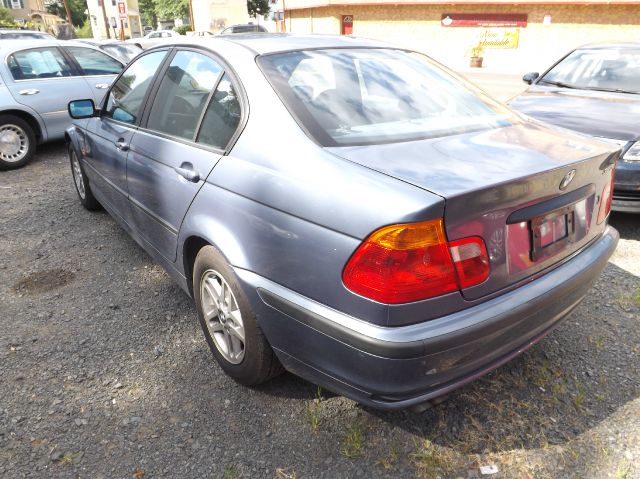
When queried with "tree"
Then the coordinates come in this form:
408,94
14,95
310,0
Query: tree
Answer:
6,20
169,9
258,7
77,7
148,13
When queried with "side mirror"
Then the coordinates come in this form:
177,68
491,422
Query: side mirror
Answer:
530,77
79,109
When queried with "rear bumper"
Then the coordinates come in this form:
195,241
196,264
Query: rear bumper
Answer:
399,367
626,203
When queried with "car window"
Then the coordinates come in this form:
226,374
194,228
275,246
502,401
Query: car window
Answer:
39,63
94,62
154,35
222,116
183,94
598,69
370,96
27,35
125,98
124,52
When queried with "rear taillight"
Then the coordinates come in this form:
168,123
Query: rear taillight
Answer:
413,261
606,198
471,260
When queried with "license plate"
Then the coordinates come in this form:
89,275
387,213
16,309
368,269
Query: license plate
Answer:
552,232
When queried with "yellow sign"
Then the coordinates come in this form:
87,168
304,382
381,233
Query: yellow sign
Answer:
500,38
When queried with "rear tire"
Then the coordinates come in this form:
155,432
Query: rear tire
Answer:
17,142
228,322
81,182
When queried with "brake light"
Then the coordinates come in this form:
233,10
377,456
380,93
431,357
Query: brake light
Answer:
413,261
471,261
606,198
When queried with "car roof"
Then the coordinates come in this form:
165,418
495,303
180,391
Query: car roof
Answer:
12,45
265,43
606,46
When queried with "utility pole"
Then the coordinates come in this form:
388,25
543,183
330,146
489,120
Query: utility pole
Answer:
104,17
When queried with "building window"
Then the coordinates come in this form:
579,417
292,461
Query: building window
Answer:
94,20
113,3
17,4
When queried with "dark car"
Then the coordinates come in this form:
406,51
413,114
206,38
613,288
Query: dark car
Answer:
595,90
244,28
346,210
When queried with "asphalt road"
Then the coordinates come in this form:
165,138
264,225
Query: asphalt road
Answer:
104,373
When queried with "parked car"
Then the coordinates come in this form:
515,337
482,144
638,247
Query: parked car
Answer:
595,90
201,33
154,38
147,29
17,34
396,234
243,28
39,78
123,51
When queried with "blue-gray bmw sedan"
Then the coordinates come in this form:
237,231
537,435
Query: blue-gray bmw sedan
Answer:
346,210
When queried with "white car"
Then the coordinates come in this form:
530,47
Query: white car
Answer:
155,37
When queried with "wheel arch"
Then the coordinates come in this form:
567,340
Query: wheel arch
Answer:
30,119
192,245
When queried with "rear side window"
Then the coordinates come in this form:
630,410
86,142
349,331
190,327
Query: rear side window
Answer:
94,62
39,63
124,102
183,94
222,117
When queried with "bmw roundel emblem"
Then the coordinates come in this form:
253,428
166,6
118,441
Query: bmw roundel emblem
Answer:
568,178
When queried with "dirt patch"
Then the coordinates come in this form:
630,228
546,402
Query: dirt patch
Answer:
43,281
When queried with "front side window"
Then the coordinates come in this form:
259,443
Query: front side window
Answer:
183,94
597,69
39,63
94,62
124,102
222,117
365,96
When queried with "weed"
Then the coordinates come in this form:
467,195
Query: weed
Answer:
578,399
352,441
389,461
432,460
622,472
230,472
66,459
636,297
598,343
288,473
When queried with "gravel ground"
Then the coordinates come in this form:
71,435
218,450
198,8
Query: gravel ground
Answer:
104,373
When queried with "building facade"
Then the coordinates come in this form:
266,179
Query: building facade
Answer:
517,36
33,11
216,15
109,14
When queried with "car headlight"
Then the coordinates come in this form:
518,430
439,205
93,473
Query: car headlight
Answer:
633,153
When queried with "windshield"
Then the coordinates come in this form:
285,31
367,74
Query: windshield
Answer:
345,97
598,69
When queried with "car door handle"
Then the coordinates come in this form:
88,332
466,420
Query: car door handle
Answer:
102,86
122,146
188,173
30,91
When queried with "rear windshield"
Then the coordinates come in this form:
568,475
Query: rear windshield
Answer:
346,97
598,69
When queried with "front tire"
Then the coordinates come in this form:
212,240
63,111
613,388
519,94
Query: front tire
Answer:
81,182
17,142
228,322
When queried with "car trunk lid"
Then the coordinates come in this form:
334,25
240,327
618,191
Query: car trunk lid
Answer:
504,185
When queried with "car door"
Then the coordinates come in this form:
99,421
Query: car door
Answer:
46,81
109,135
97,68
174,153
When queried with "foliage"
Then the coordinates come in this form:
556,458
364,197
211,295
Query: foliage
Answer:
77,7
169,9
6,20
148,13
182,29
258,7
477,51
85,31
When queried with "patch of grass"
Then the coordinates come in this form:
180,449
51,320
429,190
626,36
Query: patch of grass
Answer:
390,460
598,342
313,411
432,460
352,441
622,472
636,297
230,471
578,399
287,473
67,458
